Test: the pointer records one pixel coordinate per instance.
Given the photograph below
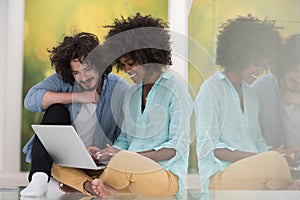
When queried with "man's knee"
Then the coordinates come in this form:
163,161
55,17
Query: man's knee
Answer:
56,114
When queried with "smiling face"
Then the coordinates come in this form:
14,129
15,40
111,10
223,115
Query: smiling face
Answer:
251,73
85,75
136,72
291,79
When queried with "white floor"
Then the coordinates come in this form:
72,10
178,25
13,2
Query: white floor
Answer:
190,194
12,184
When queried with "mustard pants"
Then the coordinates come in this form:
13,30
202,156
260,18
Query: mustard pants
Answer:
268,170
127,172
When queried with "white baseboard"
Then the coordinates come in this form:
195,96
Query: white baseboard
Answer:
13,179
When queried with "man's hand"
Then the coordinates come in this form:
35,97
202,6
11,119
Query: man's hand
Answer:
86,97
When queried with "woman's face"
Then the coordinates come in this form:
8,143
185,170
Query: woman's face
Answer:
251,73
135,71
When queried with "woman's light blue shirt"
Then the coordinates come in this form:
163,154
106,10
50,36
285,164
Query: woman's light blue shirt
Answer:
220,123
165,122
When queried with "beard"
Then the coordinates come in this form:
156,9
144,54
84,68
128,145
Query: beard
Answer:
90,85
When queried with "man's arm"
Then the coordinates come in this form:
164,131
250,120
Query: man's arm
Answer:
159,155
53,90
50,98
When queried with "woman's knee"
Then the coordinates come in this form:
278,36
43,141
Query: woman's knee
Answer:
275,159
132,162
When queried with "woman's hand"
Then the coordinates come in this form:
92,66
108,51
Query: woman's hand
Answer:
291,155
107,153
93,151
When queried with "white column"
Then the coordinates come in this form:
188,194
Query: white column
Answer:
11,91
2,76
178,11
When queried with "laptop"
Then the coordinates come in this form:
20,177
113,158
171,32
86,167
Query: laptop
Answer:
65,146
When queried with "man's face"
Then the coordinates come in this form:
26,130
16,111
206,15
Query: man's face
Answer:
85,75
291,79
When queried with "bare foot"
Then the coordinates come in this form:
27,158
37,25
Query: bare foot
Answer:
67,189
101,190
88,187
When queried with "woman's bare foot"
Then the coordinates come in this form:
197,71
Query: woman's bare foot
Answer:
88,187
102,190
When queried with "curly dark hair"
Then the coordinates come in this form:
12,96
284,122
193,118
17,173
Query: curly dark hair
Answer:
161,36
73,47
289,57
246,40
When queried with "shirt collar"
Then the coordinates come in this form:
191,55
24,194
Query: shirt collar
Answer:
220,75
164,75
104,84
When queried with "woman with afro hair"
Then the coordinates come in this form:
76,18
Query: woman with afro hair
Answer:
232,153
150,156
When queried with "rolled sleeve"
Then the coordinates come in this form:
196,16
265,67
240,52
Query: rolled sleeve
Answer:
222,145
33,99
179,129
221,163
121,142
207,124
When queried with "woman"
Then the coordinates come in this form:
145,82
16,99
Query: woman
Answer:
150,157
232,153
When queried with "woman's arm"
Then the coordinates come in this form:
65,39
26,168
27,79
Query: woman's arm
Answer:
231,156
159,155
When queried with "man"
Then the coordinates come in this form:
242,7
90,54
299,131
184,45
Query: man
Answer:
78,94
279,98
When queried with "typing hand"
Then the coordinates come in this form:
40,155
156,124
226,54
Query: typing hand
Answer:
293,157
93,152
107,153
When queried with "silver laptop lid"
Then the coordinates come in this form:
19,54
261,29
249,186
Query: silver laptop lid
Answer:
65,146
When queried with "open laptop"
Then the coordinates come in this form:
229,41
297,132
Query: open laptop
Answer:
65,146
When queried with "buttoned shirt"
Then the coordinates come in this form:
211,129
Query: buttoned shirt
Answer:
164,123
108,110
221,123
